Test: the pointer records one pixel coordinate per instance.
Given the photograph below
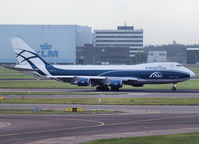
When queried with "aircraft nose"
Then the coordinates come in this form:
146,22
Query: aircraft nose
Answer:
192,74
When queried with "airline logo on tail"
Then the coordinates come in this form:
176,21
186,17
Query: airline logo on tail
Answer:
28,57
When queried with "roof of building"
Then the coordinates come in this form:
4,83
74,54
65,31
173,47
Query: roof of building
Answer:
193,49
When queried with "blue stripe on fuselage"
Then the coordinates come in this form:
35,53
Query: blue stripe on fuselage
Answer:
143,74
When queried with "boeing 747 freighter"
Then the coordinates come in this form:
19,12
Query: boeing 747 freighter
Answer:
102,76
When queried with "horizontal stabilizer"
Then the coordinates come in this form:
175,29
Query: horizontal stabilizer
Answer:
21,69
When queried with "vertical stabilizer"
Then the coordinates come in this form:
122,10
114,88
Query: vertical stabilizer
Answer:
27,56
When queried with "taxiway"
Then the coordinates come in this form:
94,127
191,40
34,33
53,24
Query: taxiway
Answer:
123,93
37,129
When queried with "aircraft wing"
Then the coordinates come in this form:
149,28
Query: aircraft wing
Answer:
90,77
21,69
129,79
74,78
94,79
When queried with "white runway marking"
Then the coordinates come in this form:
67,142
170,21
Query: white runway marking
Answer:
4,124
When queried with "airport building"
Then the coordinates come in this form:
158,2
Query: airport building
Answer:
75,44
55,43
123,36
121,46
91,55
192,56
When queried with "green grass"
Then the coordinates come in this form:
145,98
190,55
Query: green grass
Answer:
29,111
187,138
7,73
57,93
36,84
106,101
190,84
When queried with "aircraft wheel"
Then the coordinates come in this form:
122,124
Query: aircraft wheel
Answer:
98,88
106,88
173,89
102,88
114,88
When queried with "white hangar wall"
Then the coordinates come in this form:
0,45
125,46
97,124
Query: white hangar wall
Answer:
55,43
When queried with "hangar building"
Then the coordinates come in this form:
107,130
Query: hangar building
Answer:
55,43
192,55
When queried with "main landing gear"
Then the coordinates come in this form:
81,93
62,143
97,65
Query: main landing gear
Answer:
114,88
102,88
106,88
173,88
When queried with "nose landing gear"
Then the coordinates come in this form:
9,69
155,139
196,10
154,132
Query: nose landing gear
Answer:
173,88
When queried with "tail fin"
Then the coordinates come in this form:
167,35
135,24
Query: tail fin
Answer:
27,56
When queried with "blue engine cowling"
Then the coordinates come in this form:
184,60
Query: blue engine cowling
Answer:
116,83
83,82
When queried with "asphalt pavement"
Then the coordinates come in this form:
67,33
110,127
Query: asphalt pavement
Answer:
90,93
38,129
79,128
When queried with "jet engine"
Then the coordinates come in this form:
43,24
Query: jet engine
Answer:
116,83
83,82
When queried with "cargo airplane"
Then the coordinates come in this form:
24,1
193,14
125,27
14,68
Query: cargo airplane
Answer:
101,76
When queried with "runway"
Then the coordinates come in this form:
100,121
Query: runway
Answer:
90,93
72,129
133,109
93,90
28,128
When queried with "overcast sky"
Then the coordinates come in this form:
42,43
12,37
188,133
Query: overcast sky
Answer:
162,20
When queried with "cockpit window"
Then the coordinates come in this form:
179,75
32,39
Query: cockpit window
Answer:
179,65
